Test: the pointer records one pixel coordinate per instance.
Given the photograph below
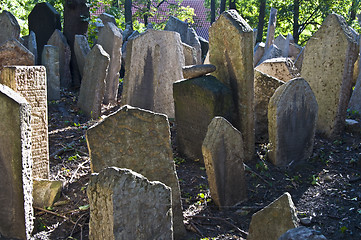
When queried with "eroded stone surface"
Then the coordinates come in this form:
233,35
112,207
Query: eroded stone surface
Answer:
46,192
302,233
197,70
280,68
271,28
190,54
82,49
9,27
50,60
13,52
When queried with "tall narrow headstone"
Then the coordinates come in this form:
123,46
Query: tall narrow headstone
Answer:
223,157
271,28
328,63
50,60
31,45
16,215
81,49
231,51
292,116
9,27
30,82
126,205
153,63
13,52
139,140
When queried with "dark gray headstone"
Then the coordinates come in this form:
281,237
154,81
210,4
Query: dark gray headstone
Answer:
302,233
81,49
50,60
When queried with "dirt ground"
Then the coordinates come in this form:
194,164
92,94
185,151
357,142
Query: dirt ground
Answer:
326,189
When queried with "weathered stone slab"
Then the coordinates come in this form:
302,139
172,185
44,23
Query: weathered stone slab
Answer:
31,45
190,55
153,63
272,52
258,52
280,68
106,17
50,60
93,83
58,39
271,28
139,140
13,52
231,51
82,49
30,82
264,88
299,59
16,215
111,39
197,101
292,116
204,47
43,20
197,70
274,220
223,158
126,205
280,41
355,100
9,27
302,233
46,192
327,66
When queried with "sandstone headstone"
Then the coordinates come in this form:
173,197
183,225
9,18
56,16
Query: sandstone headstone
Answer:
126,205
264,88
81,49
139,140
58,39
292,116
231,51
110,38
223,158
197,101
274,220
106,17
14,53
258,52
302,233
9,27
190,55
328,67
355,100
30,82
43,20
271,28
153,63
46,193
16,215
197,70
50,60
272,52
93,83
280,68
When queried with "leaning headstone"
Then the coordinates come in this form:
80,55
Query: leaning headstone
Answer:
264,88
106,17
223,158
299,60
153,63
126,205
139,140
110,38
328,65
31,45
93,83
30,82
16,215
231,51
197,101
43,20
280,41
81,49
271,28
50,60
302,233
194,71
273,220
272,52
190,55
286,48
292,116
14,53
258,52
9,27
58,39
280,68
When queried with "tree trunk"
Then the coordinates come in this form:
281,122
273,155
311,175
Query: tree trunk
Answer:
353,10
296,15
128,12
261,16
232,4
213,11
222,6
147,14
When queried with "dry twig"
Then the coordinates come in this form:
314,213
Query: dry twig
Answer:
56,214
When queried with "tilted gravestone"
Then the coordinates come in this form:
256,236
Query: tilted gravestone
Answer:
328,63
231,51
105,17
271,28
13,52
81,49
264,88
58,39
292,116
31,45
43,20
9,27
153,63
197,101
280,68
16,215
272,52
258,52
50,60
30,82
138,140
92,87
223,158
126,205
111,39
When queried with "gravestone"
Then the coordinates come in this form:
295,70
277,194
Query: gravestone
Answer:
50,60
9,27
280,68
81,49
302,233
264,88
16,215
299,60
43,20
105,17
292,116
280,42
13,52
110,38
30,82
139,140
272,52
153,63
355,100
126,205
46,192
194,71
223,158
271,28
327,66
273,220
93,83
258,52
190,55
204,47
58,39
31,45
231,51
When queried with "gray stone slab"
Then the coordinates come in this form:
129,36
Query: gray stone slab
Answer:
280,68
13,52
82,49
106,17
355,100
190,54
197,70
272,52
31,45
302,233
50,60
271,28
9,27
258,53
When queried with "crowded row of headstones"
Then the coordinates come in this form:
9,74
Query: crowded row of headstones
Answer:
219,117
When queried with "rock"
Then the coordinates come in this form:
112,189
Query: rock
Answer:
50,60
302,233
195,71
353,126
306,221
9,27
13,52
46,192
280,68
